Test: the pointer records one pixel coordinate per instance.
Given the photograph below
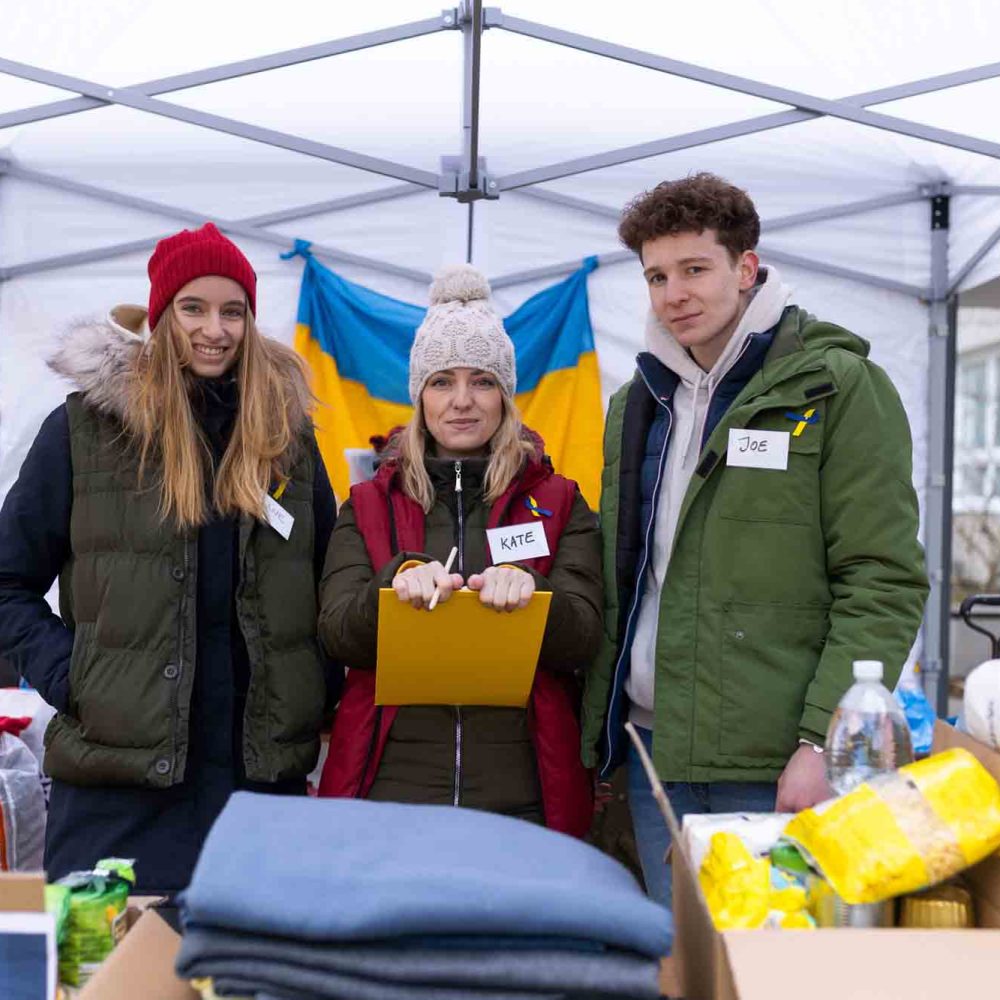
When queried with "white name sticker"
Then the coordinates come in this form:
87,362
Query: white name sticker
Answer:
758,449
278,517
518,541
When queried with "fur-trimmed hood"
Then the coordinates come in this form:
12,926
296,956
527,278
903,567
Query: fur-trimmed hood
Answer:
96,356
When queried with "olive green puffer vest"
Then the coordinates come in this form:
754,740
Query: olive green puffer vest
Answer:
129,591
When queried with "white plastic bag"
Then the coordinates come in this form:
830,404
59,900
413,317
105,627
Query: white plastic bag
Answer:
982,703
25,703
22,807
19,703
758,831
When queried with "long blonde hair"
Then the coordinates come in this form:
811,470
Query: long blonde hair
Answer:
509,450
274,403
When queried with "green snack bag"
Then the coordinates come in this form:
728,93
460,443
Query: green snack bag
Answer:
95,900
57,903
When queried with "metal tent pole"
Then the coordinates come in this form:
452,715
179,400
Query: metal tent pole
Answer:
753,88
766,252
246,228
971,263
245,67
471,16
940,454
127,97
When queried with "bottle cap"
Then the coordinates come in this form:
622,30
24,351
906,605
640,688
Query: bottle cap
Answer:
868,670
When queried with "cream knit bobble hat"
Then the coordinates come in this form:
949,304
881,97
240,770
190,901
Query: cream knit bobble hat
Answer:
461,330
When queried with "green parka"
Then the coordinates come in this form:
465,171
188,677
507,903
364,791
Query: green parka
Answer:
777,580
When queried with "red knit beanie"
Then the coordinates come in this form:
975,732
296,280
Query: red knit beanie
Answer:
194,253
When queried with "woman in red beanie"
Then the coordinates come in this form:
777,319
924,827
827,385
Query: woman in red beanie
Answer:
179,497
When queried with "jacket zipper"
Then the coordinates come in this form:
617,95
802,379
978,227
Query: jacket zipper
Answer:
626,645
461,517
460,507
457,790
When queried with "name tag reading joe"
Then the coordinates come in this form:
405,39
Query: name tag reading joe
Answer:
518,541
758,449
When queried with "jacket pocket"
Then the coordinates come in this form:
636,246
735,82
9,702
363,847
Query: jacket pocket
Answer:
296,696
769,655
790,496
80,662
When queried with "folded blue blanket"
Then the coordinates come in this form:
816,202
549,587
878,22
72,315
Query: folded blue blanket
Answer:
347,967
352,870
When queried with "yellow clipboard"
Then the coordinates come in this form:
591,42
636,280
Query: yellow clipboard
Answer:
461,653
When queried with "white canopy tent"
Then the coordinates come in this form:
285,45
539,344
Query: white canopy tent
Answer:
862,131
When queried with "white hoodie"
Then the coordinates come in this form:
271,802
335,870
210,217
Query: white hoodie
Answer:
690,411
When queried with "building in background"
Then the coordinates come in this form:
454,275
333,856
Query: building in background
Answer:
976,493
976,490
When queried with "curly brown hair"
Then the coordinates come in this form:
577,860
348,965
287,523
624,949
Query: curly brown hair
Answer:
692,205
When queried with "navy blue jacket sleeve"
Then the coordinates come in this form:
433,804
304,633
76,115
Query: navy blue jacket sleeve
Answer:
325,516
34,547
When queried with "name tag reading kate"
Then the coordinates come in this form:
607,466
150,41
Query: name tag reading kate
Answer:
517,541
758,449
278,517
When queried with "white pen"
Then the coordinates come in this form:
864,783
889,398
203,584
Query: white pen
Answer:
447,569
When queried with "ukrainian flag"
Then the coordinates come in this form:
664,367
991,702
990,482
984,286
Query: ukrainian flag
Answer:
357,343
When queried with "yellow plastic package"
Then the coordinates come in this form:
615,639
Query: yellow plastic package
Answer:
909,830
741,892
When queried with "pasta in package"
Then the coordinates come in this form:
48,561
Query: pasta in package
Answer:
905,831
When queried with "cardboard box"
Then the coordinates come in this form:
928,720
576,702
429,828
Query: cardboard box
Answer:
840,963
22,892
141,966
27,938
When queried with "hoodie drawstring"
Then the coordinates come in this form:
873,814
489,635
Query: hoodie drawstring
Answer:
701,383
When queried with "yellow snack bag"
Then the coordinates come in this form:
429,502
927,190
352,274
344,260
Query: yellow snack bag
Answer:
736,885
903,832
742,891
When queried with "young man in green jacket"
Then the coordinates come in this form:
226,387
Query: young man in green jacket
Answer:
760,526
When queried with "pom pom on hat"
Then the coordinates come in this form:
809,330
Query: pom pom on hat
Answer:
459,283
461,330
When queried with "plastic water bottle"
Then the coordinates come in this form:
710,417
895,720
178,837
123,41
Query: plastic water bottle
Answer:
868,735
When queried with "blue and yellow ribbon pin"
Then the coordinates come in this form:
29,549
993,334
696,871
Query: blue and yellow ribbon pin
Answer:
532,504
802,420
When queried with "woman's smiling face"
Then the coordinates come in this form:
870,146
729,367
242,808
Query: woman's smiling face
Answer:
211,311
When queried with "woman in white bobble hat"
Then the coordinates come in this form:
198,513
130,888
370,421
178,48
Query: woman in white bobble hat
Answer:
463,464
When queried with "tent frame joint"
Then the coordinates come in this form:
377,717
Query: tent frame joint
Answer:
456,183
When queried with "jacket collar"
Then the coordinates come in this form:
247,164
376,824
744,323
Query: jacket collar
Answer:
536,468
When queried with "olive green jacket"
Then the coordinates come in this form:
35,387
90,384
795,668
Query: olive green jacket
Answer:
777,579
128,592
